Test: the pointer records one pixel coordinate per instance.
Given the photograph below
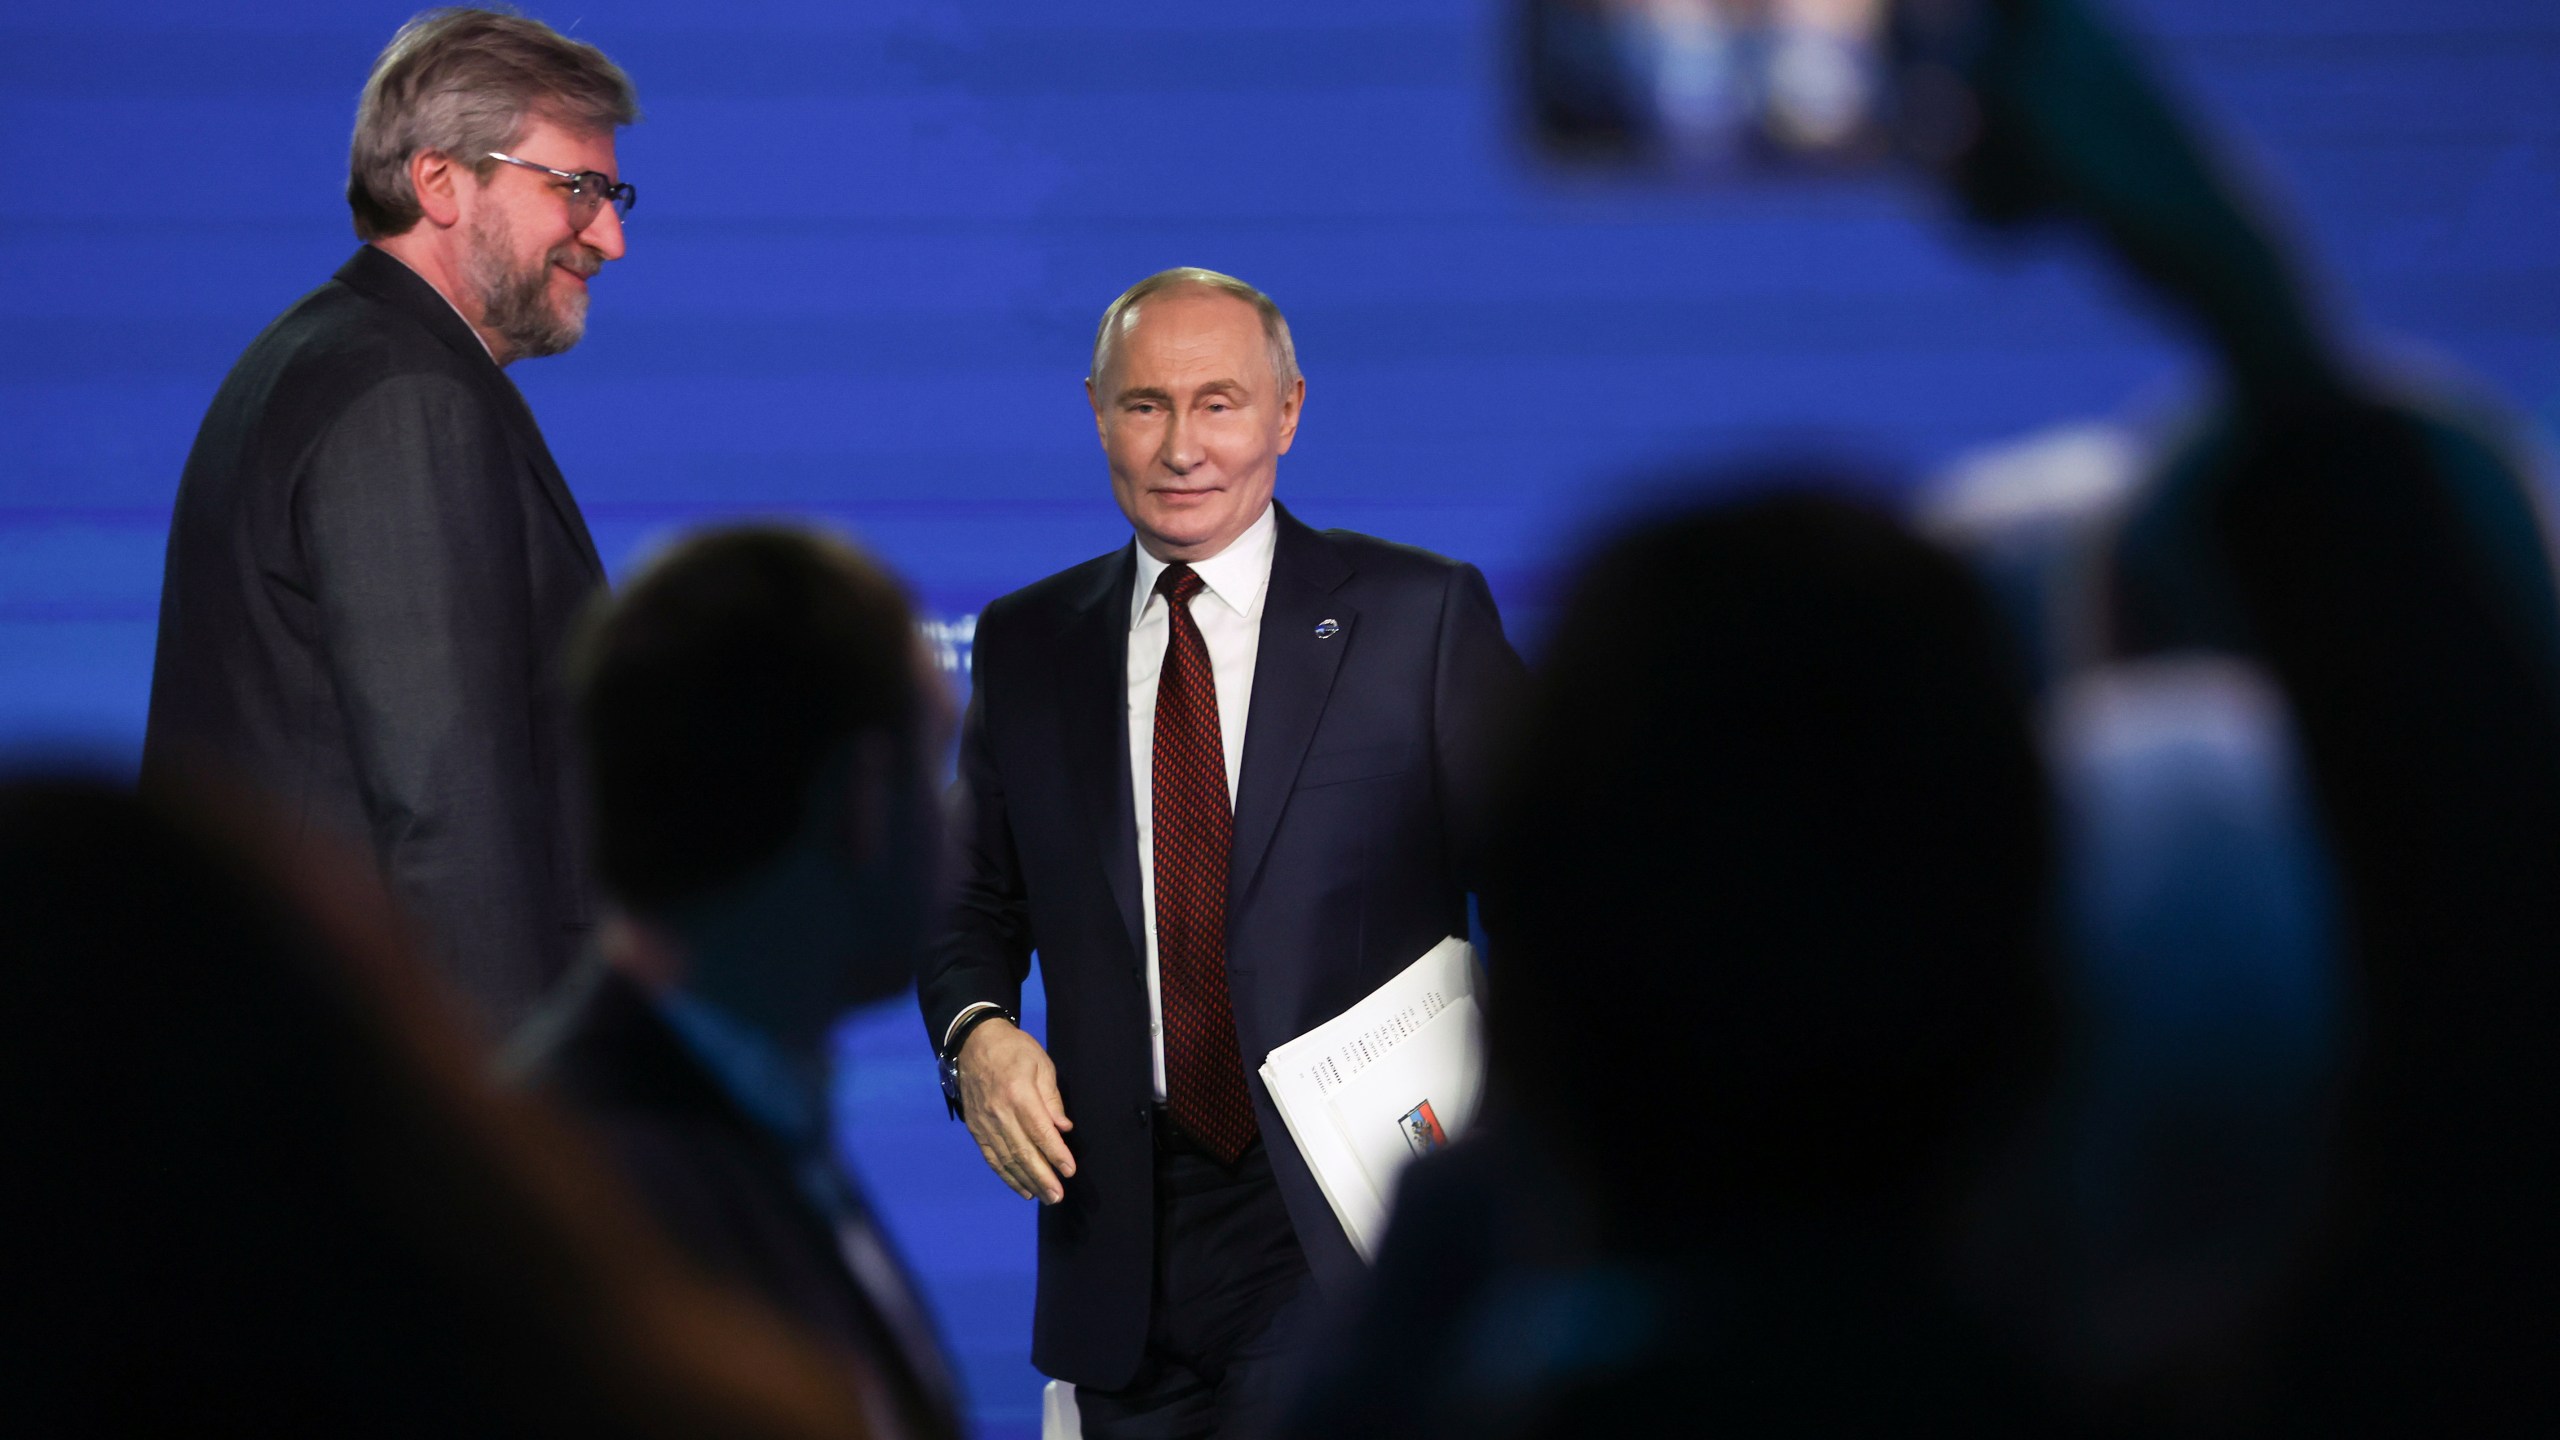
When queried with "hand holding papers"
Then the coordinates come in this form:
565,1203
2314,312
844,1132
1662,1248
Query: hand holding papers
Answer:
1394,1076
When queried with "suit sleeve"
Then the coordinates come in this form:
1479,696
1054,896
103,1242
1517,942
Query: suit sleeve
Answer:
412,540
983,951
1477,687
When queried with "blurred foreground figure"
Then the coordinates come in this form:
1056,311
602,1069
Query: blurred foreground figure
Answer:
2382,559
2183,1175
259,1185
374,562
760,729
1722,1191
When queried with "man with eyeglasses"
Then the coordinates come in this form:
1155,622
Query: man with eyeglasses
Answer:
374,562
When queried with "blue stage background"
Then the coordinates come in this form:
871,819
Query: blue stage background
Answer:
873,239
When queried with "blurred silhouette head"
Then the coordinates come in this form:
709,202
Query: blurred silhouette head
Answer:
760,723
260,1183
1771,868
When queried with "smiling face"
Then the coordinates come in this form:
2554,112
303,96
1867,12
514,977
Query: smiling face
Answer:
1193,420
527,268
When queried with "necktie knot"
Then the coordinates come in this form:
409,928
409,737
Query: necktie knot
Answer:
1179,583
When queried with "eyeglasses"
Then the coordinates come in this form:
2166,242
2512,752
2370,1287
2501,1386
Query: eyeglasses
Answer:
588,190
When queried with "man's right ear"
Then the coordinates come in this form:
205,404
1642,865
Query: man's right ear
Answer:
436,180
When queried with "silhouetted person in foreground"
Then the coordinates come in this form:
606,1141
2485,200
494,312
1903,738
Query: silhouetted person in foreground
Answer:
2429,702
1717,1195
760,726
259,1185
2382,558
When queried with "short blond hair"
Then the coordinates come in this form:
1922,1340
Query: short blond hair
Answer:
1275,326
464,83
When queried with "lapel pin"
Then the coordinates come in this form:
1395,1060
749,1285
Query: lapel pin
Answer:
1326,629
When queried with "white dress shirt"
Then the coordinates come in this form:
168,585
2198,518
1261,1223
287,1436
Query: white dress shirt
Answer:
1228,611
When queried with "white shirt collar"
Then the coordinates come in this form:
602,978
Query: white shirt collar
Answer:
1237,575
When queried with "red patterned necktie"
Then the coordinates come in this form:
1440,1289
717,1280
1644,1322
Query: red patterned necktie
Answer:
1203,1076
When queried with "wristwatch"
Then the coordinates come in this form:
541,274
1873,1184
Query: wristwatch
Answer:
960,1037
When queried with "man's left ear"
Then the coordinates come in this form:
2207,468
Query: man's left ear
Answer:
1292,402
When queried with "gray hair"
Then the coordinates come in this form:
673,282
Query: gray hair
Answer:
464,83
1275,327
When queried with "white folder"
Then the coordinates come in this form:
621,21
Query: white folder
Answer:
1393,1077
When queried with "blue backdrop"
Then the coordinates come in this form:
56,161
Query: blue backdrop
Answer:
873,240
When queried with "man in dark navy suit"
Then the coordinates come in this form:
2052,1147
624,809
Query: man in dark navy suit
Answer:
1225,781
374,562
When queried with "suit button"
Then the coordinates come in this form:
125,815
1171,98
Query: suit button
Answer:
1143,1117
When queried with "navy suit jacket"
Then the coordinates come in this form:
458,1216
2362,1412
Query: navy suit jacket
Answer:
1366,759
373,569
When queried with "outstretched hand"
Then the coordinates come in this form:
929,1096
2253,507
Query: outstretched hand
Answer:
1009,1097
2070,124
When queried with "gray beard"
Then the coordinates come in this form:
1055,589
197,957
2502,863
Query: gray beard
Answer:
517,304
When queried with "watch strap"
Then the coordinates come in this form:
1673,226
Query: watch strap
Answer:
971,1021
949,1067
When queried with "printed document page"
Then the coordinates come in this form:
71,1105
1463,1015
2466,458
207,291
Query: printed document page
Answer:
1395,1076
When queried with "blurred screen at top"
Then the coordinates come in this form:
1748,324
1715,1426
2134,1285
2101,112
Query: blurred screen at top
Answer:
1709,85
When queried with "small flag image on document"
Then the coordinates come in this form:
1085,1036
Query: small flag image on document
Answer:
1422,1132
1351,1090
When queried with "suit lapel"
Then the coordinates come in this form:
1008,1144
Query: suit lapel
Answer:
555,486
1292,679
1094,698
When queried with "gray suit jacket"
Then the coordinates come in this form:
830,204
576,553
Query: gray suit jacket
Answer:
372,569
